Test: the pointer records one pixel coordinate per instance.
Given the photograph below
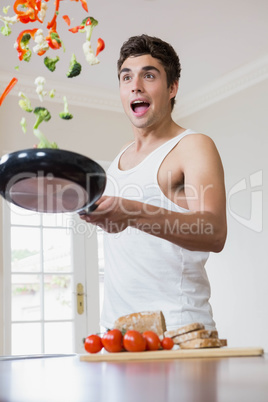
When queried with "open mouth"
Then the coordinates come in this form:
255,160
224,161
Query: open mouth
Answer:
139,106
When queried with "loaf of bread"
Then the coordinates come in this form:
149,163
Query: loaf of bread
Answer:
201,343
143,321
202,333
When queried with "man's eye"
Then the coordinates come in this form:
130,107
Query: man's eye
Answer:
126,78
149,75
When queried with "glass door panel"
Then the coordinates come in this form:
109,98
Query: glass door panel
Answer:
26,338
58,303
57,250
59,337
25,249
26,297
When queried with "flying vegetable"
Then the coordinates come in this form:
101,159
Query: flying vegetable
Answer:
50,63
74,67
65,115
42,114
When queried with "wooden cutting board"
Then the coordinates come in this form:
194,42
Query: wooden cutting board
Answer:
172,354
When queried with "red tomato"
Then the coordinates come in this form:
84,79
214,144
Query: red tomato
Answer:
152,340
167,343
113,341
93,344
134,341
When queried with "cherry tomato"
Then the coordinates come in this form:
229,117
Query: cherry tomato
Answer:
134,341
93,344
167,343
113,341
152,340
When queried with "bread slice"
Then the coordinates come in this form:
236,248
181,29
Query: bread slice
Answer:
202,343
223,342
202,333
143,321
183,330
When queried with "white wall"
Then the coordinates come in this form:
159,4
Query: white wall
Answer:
94,133
239,274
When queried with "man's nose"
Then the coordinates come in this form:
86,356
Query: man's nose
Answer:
137,85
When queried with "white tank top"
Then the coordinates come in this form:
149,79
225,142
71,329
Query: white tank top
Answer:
146,273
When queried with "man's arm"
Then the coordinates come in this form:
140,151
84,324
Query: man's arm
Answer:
203,228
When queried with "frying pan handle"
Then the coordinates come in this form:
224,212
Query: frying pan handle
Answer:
89,209
92,208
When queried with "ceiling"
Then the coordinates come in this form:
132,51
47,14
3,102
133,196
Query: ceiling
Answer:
212,38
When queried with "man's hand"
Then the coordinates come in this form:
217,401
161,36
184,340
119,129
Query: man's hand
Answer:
113,214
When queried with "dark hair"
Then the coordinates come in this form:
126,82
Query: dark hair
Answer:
157,48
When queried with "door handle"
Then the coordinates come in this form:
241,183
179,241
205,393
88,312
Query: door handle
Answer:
80,298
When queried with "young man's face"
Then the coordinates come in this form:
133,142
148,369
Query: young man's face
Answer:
144,92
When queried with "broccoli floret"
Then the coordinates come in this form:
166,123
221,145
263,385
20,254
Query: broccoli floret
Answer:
74,68
5,30
23,124
25,39
27,56
24,44
94,22
44,143
25,103
88,26
42,114
51,63
65,115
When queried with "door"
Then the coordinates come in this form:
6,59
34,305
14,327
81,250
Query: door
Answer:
51,282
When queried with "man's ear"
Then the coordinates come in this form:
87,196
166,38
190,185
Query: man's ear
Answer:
174,89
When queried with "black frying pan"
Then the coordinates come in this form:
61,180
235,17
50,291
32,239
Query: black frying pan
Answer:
51,180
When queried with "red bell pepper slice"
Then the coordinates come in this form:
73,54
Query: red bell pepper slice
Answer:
41,52
53,23
76,29
21,52
67,19
100,47
30,10
8,89
84,5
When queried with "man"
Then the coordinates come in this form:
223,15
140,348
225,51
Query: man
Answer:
164,205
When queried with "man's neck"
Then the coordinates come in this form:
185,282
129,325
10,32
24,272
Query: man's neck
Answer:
151,136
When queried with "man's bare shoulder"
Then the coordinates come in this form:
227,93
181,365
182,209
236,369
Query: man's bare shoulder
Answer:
194,144
196,139
195,153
